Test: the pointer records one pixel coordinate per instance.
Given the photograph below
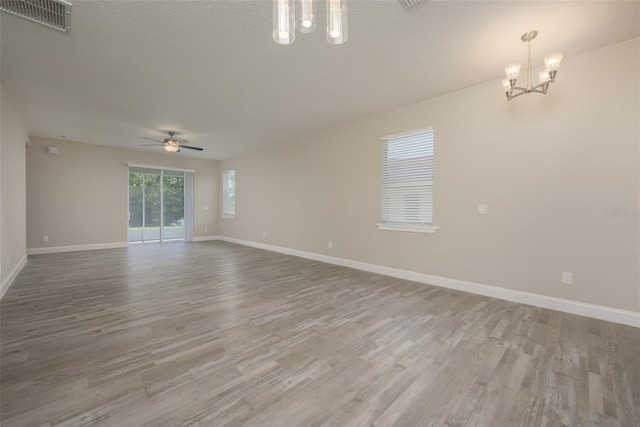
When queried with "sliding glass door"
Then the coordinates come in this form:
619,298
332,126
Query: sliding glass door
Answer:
157,205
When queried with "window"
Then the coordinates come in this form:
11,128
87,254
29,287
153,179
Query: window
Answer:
229,194
407,182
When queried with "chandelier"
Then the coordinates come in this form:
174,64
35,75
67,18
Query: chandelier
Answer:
545,77
285,20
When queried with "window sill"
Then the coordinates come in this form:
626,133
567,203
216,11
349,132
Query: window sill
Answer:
228,216
429,229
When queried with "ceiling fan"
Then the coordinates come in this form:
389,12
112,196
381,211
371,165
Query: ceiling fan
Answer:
171,144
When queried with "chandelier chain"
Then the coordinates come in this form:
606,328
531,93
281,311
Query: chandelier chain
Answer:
529,84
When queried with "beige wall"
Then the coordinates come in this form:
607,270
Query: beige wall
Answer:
13,138
79,196
548,167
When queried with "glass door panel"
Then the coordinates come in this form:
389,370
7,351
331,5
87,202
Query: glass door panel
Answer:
151,225
173,205
136,206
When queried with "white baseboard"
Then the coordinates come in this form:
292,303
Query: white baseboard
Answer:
11,277
75,248
615,315
206,238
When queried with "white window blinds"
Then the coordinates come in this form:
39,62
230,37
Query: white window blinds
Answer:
229,194
407,179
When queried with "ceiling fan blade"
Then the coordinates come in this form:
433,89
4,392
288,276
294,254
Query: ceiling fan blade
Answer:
151,139
183,141
152,145
191,148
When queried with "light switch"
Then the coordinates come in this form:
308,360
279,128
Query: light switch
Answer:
482,209
206,207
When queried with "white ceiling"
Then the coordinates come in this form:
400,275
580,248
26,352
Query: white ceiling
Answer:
210,70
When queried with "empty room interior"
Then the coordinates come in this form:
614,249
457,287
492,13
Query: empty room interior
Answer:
320,213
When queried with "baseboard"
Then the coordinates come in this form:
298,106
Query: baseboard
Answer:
206,238
75,248
624,317
11,277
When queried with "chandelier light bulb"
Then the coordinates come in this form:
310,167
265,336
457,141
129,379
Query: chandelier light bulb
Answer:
334,18
552,62
506,84
283,21
513,71
336,21
543,76
307,16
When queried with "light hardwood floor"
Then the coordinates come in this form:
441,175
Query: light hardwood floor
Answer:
220,334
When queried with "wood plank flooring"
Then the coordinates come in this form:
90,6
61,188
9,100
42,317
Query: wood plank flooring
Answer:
220,334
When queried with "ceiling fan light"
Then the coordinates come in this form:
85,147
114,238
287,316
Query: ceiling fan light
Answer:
171,146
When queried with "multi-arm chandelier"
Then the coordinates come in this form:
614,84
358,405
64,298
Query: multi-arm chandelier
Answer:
545,77
285,20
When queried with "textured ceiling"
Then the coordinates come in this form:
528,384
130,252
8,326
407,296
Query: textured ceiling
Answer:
210,70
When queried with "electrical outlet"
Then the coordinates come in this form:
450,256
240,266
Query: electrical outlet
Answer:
567,278
264,235
206,229
206,207
330,244
45,238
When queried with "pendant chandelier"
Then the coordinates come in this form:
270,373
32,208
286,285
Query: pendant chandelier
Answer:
286,21
545,77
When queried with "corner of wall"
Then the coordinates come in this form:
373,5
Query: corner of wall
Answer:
13,136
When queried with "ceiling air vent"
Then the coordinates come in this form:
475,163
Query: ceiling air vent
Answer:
52,13
408,3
